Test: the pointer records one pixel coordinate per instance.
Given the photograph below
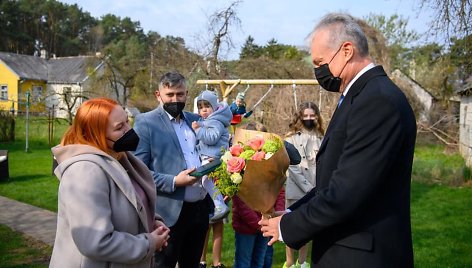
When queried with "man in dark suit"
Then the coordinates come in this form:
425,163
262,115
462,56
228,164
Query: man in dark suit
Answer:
359,213
167,146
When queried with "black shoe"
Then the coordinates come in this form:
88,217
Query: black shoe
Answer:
202,265
219,266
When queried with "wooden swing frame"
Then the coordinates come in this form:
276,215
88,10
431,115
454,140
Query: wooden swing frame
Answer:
227,86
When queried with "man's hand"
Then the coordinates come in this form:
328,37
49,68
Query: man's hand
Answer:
270,228
183,179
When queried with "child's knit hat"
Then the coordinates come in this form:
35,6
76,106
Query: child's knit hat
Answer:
209,96
240,96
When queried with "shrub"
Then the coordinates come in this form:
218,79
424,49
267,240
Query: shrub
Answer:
7,127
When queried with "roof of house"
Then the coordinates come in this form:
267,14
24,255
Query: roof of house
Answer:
54,70
467,87
398,73
25,66
71,69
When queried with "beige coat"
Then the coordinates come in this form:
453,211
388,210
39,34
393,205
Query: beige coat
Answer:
101,221
301,177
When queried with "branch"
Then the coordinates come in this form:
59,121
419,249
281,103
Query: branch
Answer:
441,135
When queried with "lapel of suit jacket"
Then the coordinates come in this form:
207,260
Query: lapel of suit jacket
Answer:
355,89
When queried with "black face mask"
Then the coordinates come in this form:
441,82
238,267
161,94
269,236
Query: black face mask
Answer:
128,142
325,78
174,108
309,124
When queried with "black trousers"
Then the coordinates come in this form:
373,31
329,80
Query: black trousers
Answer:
187,237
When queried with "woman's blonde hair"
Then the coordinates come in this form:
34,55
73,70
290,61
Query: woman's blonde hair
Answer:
296,124
90,125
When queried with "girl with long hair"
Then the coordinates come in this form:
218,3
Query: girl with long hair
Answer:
306,133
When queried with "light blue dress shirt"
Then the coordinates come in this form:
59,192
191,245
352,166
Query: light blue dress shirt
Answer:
188,142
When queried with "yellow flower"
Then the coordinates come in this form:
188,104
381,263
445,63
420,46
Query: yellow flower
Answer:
236,178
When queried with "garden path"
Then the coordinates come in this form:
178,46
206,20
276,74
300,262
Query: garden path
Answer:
35,222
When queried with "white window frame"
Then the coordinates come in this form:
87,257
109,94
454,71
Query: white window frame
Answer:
4,92
37,91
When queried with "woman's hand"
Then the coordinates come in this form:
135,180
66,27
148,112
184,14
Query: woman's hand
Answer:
161,233
158,223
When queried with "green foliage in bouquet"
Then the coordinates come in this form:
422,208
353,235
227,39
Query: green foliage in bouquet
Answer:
223,181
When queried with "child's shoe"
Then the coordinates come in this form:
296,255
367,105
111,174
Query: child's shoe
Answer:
303,265
293,265
221,211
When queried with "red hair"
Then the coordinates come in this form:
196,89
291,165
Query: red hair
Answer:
90,124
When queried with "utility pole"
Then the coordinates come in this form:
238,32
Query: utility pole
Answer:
27,119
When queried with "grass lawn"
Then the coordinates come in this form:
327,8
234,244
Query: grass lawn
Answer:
442,225
17,250
441,209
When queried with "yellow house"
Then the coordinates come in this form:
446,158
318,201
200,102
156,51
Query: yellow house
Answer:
20,74
45,80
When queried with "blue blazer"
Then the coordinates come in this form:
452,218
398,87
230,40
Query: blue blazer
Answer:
160,150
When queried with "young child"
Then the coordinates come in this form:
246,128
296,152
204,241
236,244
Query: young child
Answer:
251,249
238,107
213,135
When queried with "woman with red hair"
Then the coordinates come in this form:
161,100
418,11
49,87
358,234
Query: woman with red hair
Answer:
106,196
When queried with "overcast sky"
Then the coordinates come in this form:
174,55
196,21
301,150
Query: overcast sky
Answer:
288,22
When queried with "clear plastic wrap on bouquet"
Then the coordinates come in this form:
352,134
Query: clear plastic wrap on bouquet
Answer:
262,180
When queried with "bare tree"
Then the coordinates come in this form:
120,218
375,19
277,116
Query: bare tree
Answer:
451,17
71,101
67,99
219,27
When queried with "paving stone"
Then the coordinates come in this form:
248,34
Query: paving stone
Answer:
38,223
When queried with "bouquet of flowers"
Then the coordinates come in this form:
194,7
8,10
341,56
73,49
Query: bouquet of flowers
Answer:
253,168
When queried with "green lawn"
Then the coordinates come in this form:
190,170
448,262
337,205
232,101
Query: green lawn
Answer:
17,250
442,225
441,209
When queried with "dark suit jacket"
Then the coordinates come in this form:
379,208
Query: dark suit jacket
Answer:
160,150
359,213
